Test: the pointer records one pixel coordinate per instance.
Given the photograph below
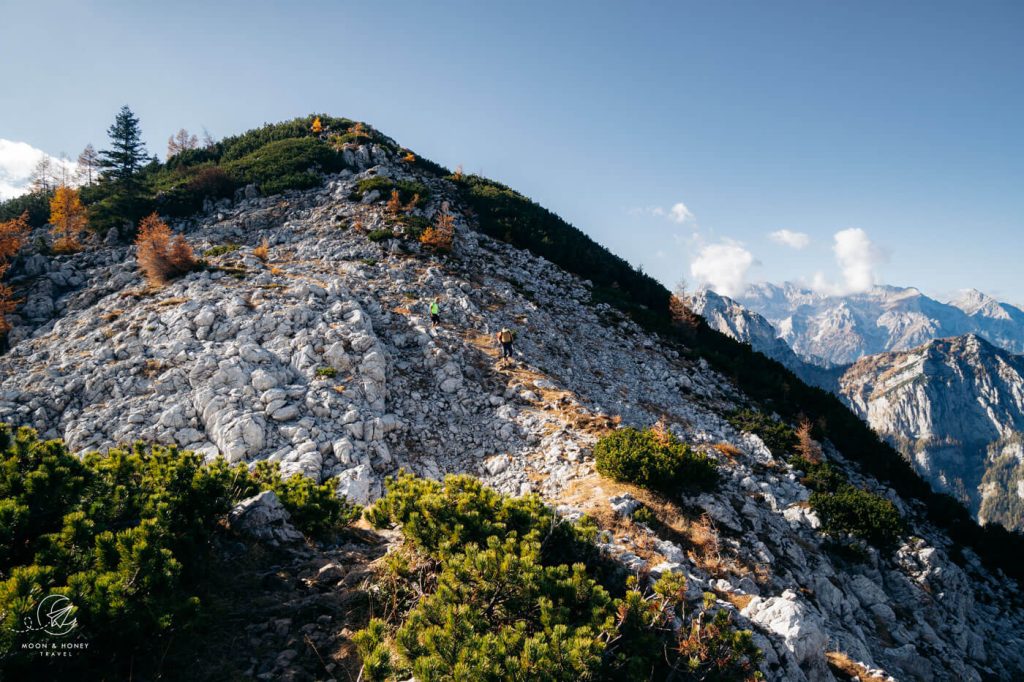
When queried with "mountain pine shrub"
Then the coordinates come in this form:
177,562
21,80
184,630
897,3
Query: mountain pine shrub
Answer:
852,511
778,437
655,459
125,535
511,596
846,510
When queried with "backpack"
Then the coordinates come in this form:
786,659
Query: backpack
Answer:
505,336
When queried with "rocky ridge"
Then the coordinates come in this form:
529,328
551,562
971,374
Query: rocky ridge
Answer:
323,358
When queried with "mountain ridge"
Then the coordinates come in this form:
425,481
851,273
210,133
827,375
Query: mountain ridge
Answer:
831,330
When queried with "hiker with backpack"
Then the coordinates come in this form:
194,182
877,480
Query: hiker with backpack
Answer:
435,312
505,338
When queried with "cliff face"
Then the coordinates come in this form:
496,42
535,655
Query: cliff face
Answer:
323,357
955,406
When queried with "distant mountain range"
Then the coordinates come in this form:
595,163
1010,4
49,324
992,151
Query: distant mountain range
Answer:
943,382
729,317
835,330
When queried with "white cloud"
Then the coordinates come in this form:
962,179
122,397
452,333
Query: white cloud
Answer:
723,267
857,257
678,213
795,240
17,159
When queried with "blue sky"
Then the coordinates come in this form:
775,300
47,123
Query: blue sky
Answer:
899,126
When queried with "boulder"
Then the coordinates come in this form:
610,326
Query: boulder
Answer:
358,484
263,517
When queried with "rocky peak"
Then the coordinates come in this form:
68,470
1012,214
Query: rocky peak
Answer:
954,406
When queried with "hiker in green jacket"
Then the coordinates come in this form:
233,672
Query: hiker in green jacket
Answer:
435,312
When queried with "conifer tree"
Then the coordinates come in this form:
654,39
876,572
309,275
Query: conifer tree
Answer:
127,152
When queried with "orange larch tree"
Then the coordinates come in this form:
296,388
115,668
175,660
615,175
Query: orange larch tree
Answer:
161,254
394,203
13,234
181,141
441,234
68,218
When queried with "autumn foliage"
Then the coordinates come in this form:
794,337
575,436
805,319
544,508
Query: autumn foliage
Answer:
394,203
162,255
68,218
317,126
440,235
12,235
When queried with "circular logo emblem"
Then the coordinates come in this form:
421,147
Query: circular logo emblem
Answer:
55,614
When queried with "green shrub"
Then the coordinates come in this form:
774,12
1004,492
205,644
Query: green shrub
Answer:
326,372
413,226
862,514
380,235
220,250
406,189
653,459
314,507
778,437
645,516
510,600
715,651
286,164
125,536
183,191
821,476
846,510
36,203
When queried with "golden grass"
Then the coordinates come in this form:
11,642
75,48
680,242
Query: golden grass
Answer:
740,601
262,251
152,368
727,449
841,663
695,534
